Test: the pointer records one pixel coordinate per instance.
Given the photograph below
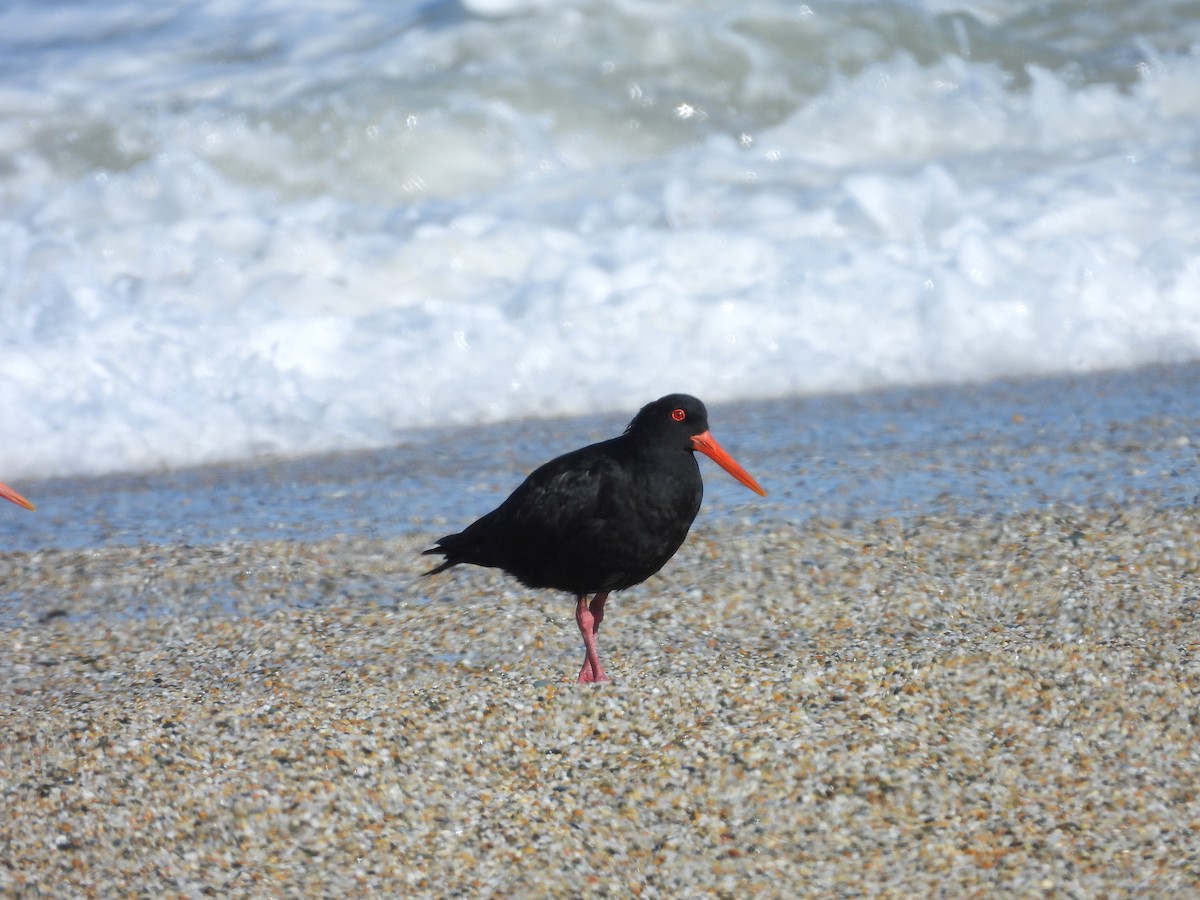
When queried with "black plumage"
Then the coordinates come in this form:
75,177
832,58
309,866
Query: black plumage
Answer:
601,518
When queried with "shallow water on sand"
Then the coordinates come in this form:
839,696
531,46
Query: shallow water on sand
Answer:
992,448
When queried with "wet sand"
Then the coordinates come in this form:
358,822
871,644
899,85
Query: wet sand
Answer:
1100,439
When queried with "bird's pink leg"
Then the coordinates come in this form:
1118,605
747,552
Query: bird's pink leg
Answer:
588,618
597,610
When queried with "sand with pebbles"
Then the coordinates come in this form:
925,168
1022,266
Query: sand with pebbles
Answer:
936,706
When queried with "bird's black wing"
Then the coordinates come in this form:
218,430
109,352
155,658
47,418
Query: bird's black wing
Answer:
557,528
557,497
589,521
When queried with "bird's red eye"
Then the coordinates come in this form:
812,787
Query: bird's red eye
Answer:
678,415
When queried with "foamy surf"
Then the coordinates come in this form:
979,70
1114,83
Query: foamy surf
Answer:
229,232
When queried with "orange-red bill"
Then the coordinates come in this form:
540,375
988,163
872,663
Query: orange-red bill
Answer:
708,445
7,493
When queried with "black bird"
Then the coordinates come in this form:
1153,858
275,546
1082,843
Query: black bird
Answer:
7,493
602,518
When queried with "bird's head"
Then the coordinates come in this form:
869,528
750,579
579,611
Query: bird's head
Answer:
681,420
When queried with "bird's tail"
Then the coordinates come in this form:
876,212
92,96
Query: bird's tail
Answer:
443,566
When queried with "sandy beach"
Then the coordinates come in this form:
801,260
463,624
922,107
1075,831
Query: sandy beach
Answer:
940,706
289,293
953,653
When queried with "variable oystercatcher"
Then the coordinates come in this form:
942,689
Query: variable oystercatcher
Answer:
8,493
602,518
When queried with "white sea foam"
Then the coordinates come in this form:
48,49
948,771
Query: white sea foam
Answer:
229,229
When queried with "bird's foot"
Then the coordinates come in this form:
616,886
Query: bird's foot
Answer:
592,671
587,676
